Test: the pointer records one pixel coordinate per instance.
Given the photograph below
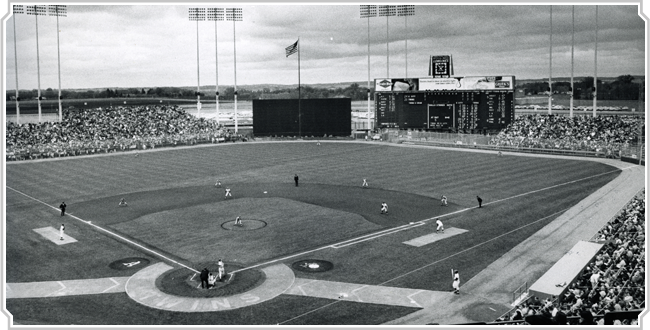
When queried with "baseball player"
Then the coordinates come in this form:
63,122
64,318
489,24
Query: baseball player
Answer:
384,208
61,229
238,221
222,270
218,184
443,200
456,283
122,202
227,193
364,184
440,226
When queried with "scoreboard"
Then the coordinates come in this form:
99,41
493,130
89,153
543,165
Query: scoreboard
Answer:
446,108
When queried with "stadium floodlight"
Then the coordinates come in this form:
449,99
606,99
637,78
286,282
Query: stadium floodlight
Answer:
37,10
550,62
367,11
406,10
197,14
595,96
234,15
387,10
17,9
573,33
58,10
216,14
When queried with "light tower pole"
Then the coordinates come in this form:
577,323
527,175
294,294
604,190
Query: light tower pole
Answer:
367,11
37,10
595,64
197,14
58,10
18,9
406,10
234,14
216,14
387,10
550,63
573,29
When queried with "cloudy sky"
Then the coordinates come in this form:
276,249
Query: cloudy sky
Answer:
149,45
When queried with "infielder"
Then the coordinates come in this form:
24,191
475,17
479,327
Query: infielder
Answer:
443,200
440,226
122,202
384,208
218,184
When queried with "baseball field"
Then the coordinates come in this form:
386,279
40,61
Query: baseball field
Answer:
319,252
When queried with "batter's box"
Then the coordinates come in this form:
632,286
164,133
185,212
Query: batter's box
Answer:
434,237
52,234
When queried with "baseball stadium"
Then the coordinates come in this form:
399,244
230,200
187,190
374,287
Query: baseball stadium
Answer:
446,206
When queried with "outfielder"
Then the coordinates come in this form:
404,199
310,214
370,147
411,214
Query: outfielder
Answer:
227,193
364,184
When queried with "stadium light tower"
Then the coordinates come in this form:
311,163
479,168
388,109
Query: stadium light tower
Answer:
573,32
387,10
406,10
367,11
58,10
18,9
216,14
37,10
234,15
595,89
550,62
197,14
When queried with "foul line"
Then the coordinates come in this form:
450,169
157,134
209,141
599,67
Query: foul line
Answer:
475,246
109,232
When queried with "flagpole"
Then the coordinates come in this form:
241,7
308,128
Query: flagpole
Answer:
299,110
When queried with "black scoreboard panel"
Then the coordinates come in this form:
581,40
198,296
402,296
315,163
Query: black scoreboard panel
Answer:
443,110
318,117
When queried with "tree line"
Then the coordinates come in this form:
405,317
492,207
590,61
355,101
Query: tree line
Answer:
622,88
354,91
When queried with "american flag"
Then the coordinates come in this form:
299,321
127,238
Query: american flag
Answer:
292,49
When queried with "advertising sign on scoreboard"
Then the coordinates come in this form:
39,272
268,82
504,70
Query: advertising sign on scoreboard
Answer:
440,66
396,85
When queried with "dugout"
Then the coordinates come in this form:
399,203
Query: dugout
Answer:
305,117
455,104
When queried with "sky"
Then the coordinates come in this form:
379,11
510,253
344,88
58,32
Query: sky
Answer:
111,45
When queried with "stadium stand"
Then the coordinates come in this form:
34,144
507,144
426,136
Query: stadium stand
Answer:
90,131
603,134
610,290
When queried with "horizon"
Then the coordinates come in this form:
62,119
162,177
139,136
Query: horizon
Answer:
138,46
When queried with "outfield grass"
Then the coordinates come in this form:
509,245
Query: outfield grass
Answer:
175,210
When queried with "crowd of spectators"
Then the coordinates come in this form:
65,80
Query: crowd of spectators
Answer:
601,134
88,131
613,282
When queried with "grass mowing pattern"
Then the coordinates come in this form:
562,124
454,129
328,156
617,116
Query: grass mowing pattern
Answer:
99,182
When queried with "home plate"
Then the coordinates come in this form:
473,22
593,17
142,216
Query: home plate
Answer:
52,234
433,237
